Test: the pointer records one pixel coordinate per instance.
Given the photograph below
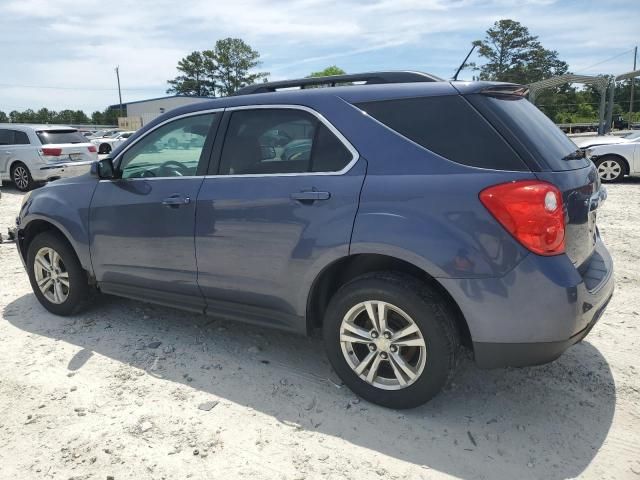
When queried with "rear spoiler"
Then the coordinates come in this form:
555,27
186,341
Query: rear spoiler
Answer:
495,89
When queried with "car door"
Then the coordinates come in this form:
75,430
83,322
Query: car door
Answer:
142,223
279,205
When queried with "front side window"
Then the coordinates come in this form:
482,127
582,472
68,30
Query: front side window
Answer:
280,141
173,150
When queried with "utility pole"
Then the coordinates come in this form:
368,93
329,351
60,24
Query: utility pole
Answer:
633,81
119,92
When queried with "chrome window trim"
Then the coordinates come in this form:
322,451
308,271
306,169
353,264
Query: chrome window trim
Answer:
118,158
355,156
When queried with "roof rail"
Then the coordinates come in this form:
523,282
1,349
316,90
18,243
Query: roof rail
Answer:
369,78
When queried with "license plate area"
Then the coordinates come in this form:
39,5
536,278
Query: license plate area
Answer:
75,157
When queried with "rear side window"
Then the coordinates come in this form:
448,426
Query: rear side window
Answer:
60,136
533,129
280,141
13,137
448,126
20,138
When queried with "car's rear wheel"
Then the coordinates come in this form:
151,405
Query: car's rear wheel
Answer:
55,273
21,177
391,339
610,169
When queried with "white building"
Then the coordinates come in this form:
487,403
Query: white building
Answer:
141,112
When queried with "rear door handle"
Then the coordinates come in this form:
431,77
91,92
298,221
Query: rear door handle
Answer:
176,201
310,196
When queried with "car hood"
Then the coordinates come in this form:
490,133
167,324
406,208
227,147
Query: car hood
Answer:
593,141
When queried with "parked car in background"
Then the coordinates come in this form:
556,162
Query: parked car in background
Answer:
37,153
607,139
402,218
614,161
106,144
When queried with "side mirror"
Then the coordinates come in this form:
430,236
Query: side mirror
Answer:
103,169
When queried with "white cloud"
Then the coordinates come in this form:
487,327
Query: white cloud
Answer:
64,43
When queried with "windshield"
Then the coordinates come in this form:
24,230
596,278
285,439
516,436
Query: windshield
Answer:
60,136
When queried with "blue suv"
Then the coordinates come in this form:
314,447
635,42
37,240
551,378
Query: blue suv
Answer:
401,214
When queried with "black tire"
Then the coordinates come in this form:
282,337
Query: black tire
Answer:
78,291
610,165
21,177
104,149
427,309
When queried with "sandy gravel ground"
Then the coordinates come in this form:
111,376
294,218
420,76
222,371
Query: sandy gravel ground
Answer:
129,390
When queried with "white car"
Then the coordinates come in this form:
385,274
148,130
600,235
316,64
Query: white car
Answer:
616,160
607,140
38,153
106,144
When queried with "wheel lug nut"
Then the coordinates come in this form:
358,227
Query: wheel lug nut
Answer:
387,335
393,348
374,334
372,347
383,355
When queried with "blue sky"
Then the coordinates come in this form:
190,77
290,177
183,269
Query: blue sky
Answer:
75,45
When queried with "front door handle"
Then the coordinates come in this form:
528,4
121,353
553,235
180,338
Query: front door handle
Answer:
310,196
175,201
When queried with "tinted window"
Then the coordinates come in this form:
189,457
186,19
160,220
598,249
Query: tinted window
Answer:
20,138
448,126
60,136
13,137
6,137
173,150
276,141
537,133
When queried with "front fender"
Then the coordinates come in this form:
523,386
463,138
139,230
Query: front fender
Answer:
64,205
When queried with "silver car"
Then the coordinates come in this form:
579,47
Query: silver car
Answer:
30,154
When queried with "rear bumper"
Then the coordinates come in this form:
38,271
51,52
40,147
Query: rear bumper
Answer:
498,355
535,312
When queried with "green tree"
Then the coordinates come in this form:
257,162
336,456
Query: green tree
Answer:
234,62
332,70
514,55
194,78
3,117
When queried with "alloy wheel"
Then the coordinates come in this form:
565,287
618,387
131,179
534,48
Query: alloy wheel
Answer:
21,177
51,275
383,345
609,170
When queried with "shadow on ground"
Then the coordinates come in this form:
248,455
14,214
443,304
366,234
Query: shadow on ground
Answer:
543,422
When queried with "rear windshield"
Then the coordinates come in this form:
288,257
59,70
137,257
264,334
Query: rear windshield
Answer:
60,136
449,126
541,138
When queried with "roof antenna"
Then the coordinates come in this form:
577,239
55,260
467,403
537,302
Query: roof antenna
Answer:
464,62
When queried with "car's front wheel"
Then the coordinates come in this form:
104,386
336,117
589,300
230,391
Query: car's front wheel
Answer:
57,278
21,177
392,339
610,169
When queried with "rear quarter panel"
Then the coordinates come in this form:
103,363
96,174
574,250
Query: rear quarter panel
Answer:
422,208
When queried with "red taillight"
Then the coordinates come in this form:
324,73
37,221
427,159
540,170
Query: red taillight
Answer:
531,211
52,152
92,148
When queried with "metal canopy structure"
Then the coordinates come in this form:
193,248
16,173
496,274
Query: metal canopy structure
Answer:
601,83
623,76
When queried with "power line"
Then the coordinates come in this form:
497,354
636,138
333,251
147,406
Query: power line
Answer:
579,70
50,87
